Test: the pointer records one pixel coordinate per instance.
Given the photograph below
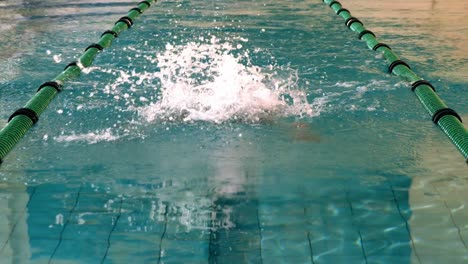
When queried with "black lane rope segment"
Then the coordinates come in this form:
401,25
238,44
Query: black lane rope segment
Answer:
444,112
126,20
25,112
71,64
113,33
145,2
416,84
365,32
333,2
341,10
58,87
94,45
378,45
352,20
396,63
137,9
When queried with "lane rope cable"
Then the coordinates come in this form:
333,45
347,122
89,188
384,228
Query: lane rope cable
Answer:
24,118
446,118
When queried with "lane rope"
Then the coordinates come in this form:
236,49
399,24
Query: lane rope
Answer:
24,118
446,118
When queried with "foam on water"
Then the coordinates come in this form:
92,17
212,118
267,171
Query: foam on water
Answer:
91,137
215,81
210,80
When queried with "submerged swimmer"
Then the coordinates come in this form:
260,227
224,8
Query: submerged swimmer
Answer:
260,110
302,131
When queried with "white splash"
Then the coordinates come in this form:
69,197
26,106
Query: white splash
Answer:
91,137
57,58
216,82
205,80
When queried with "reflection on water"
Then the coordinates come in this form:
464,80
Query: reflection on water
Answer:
436,31
246,198
438,200
266,190
14,231
235,228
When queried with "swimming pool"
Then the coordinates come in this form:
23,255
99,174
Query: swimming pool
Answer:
233,132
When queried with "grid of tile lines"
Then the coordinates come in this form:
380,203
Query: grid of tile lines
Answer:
452,219
66,224
310,248
406,223
211,251
312,259
260,234
213,231
13,228
212,247
112,230
361,241
160,255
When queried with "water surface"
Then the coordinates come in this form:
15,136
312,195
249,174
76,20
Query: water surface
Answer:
233,132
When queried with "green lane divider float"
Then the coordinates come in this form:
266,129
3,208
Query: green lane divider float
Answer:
24,118
446,118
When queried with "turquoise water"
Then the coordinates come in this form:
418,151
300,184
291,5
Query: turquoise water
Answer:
233,132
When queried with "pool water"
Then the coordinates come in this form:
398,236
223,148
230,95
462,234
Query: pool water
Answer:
233,132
